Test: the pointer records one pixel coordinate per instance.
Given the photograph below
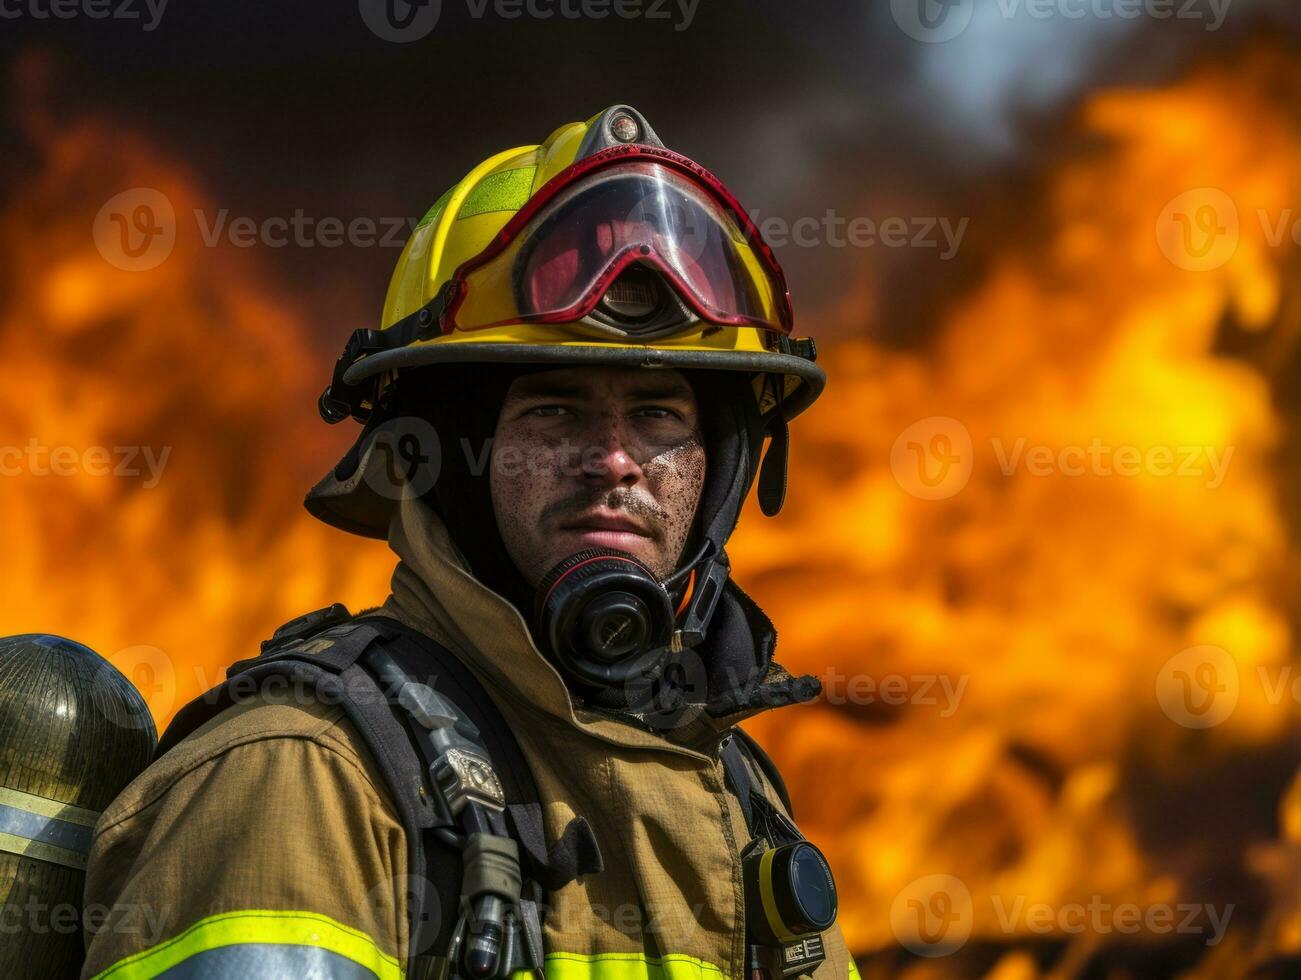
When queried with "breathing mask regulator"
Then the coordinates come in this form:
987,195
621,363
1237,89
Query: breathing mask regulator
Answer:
607,621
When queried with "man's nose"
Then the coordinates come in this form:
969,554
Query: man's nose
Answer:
611,458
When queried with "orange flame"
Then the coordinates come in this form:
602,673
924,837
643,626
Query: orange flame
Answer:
997,610
965,514
157,439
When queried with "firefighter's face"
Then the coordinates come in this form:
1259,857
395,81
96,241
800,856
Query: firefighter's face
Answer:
597,458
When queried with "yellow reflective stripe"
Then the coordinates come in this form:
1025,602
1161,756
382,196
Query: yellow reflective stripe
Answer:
257,926
634,966
436,209
25,847
443,227
506,190
44,829
47,807
625,966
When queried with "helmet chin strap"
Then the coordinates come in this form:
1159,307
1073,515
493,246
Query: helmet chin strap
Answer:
711,569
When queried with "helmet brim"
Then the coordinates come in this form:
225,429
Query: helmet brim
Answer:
803,383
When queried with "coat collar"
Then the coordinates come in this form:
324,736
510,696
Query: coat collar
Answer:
434,591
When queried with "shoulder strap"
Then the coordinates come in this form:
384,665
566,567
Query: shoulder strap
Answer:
738,777
318,655
326,654
746,745
423,658
745,767
577,852
333,650
305,625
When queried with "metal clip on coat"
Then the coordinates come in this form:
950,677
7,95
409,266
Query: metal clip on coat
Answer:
487,942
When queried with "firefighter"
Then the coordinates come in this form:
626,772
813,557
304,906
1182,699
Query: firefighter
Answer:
584,350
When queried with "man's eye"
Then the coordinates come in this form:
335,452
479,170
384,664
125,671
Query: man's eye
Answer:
549,411
655,412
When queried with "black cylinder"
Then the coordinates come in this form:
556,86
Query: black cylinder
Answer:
73,733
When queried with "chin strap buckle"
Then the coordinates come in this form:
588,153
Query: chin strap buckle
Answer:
707,589
341,400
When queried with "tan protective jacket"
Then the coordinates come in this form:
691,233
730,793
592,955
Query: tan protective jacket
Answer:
265,843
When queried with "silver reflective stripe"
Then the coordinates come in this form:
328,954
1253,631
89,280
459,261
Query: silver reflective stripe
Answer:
46,830
49,830
267,961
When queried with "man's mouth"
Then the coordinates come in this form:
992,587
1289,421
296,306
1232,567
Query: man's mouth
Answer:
608,529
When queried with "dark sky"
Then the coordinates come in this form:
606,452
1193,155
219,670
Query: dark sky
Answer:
801,108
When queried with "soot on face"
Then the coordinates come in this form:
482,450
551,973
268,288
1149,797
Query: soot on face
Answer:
681,472
540,482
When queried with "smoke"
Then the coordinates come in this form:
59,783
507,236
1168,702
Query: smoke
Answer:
1006,64
982,67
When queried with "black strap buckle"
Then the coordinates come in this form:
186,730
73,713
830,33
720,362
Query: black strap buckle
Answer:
341,400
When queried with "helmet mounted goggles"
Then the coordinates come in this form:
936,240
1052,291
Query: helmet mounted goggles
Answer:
585,242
